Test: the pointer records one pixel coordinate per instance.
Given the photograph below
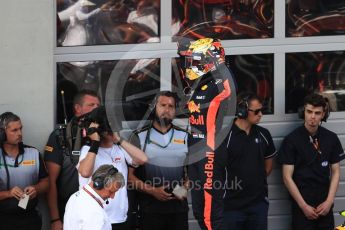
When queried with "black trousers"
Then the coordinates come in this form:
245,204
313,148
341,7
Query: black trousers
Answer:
207,192
23,221
120,226
300,222
164,221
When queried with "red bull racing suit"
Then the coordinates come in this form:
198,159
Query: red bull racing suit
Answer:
206,169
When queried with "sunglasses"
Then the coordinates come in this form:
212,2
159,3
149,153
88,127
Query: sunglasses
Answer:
256,111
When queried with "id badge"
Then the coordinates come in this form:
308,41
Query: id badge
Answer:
76,153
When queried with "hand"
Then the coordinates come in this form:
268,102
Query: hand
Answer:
94,136
31,191
17,193
57,225
160,194
310,212
323,208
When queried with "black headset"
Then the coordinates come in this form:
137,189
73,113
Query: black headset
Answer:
243,105
2,135
3,118
327,111
100,181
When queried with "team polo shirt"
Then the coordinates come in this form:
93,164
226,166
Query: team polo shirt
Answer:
29,170
83,211
311,167
246,176
166,154
67,180
119,158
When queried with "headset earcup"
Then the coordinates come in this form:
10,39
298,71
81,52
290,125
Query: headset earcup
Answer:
242,111
2,135
98,183
300,112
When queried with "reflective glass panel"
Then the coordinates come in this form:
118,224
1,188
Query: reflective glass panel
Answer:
126,87
320,72
222,19
107,22
315,17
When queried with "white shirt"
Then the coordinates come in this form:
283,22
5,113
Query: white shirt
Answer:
83,212
119,158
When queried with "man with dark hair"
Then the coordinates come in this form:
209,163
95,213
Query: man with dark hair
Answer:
61,156
162,180
85,208
23,176
250,151
310,156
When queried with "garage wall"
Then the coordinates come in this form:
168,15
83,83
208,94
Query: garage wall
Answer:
26,66
26,69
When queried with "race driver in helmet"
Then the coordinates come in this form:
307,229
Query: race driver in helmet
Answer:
203,64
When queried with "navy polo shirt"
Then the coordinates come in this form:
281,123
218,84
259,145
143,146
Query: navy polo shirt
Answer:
246,175
311,165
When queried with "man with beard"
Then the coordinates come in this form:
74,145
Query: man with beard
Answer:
310,156
162,180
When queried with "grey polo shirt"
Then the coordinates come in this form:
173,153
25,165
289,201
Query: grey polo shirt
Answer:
26,170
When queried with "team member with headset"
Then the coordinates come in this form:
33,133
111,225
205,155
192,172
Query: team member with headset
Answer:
310,156
250,151
23,176
163,175
109,148
85,208
61,156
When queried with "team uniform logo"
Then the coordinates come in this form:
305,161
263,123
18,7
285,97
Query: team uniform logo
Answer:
198,135
48,148
192,107
196,120
28,163
178,141
117,159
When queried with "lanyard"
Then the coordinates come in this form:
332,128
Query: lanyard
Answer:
316,144
93,196
149,141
